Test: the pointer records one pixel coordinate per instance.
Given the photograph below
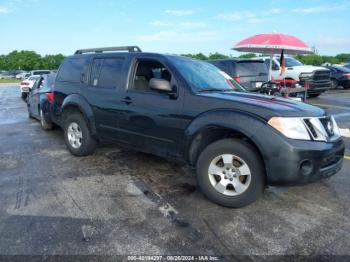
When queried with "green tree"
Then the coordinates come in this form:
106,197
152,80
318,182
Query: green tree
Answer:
216,55
199,56
343,58
51,61
248,55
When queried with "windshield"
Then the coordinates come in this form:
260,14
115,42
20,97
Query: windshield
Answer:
203,76
290,62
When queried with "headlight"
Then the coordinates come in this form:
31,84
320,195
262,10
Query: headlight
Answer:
292,127
305,75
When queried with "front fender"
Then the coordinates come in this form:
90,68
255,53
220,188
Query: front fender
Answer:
237,121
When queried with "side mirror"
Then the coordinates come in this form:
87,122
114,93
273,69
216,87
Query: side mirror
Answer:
160,85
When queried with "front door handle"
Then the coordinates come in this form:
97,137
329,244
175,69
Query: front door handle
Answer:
127,100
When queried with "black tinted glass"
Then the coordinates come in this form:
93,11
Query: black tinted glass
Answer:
110,72
246,68
72,70
95,72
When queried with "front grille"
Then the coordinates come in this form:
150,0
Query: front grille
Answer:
321,75
321,128
328,125
311,128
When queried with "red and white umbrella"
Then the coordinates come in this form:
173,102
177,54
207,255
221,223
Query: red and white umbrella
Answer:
273,43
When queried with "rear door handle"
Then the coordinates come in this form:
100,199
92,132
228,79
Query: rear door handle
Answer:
127,100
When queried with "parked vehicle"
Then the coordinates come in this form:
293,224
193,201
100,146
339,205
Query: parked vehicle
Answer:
251,73
22,75
40,100
40,72
7,75
27,84
340,76
188,110
315,78
347,65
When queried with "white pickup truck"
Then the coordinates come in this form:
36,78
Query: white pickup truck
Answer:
315,78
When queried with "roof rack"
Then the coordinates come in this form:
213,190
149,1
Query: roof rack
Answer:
108,49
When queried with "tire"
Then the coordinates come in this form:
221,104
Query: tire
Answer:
75,123
313,95
44,124
242,152
24,96
334,83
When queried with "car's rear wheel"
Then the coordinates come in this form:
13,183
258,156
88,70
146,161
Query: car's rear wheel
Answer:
77,135
24,96
230,173
44,124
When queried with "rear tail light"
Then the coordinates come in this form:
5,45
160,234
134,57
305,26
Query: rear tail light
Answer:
50,96
237,78
24,84
347,75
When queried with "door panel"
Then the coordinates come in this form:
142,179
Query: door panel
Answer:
149,120
102,94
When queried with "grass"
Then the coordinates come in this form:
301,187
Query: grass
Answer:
10,80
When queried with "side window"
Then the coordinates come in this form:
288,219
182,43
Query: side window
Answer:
106,72
145,70
73,70
37,84
95,72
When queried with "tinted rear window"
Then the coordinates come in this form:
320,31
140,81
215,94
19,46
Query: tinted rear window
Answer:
72,70
245,68
106,72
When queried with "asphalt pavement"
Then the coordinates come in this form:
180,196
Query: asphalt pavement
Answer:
122,202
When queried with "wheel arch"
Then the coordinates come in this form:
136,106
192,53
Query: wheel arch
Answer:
79,104
219,125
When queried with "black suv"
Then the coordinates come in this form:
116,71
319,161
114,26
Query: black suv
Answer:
250,73
189,110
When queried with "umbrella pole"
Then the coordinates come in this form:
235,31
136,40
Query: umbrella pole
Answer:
270,67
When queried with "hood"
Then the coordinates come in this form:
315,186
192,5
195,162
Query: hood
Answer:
306,68
263,105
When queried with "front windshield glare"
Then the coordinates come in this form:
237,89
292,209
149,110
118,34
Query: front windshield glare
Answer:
203,76
290,62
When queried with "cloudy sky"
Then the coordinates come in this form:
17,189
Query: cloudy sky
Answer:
182,26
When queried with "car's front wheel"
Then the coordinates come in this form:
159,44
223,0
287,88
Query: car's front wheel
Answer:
230,173
334,83
77,135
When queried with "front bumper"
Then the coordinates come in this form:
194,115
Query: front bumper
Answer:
25,89
317,87
294,162
345,83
